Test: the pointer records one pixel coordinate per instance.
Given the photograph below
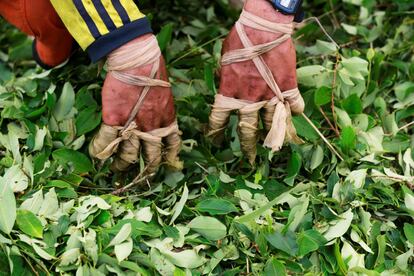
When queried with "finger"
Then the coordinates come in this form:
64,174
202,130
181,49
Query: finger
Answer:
152,150
248,126
297,105
102,139
291,134
267,116
128,154
172,149
219,118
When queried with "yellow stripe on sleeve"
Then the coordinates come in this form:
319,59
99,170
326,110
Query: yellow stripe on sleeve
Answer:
133,12
113,13
93,13
73,22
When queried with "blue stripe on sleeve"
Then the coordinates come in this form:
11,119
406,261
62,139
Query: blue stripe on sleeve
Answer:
115,39
121,11
103,13
87,18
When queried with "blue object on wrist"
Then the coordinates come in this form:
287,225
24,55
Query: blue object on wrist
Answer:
288,7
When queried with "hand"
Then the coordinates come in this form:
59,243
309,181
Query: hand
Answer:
241,80
155,120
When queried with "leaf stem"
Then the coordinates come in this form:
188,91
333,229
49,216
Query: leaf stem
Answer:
329,122
138,180
338,58
330,146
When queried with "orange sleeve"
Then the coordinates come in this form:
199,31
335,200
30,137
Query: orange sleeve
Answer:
53,43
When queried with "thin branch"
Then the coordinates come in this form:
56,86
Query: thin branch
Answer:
138,180
330,146
406,126
333,14
338,57
30,265
329,122
201,167
322,28
409,182
195,48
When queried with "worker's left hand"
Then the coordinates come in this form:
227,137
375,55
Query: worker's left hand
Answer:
242,80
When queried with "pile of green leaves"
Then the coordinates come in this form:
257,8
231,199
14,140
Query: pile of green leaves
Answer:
335,207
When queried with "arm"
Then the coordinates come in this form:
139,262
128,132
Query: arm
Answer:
137,103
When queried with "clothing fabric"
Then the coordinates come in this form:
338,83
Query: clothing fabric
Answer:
53,43
98,26
101,26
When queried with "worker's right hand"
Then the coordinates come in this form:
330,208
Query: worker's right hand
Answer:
147,133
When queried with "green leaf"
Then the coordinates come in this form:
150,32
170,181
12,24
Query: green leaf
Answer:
17,179
23,51
350,29
294,165
65,103
123,250
409,232
173,178
402,260
274,267
309,71
343,118
186,258
122,235
78,160
7,207
59,184
304,129
286,243
370,54
70,256
179,272
390,125
209,77
171,232
382,246
317,158
340,226
225,178
161,263
87,120
210,228
215,206
309,241
323,96
179,206
352,104
164,36
29,224
348,139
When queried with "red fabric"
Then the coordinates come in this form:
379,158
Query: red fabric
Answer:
38,18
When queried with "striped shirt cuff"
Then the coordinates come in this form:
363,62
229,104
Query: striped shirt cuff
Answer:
118,37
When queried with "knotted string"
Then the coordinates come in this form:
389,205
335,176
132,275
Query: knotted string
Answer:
109,138
136,55
281,127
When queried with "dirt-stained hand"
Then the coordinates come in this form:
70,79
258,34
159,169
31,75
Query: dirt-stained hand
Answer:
242,80
154,124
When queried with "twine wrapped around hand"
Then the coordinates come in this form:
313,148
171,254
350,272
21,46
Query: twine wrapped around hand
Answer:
126,142
277,112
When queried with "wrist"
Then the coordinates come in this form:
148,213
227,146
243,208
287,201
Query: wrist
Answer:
266,10
137,40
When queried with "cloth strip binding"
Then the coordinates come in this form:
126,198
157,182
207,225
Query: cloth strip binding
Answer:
282,127
128,57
